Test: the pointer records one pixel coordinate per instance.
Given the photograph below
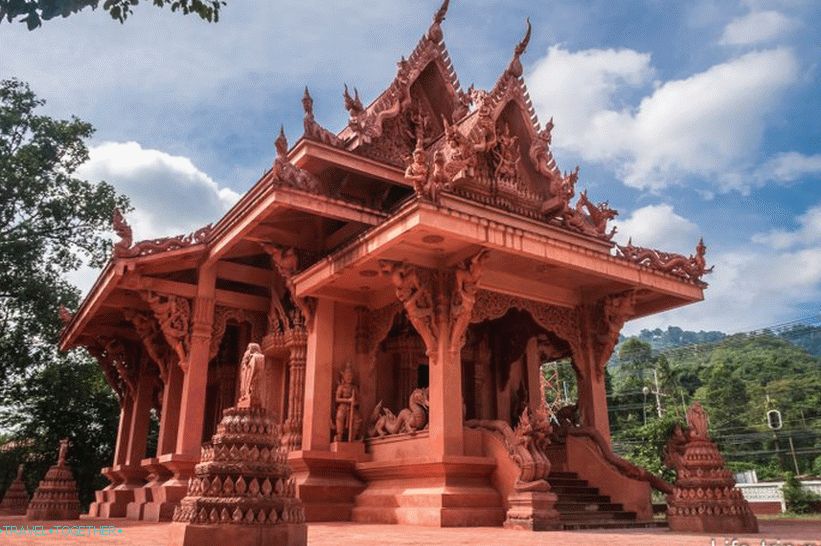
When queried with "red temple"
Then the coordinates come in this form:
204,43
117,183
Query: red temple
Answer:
404,280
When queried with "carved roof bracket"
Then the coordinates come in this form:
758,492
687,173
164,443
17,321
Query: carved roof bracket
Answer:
173,314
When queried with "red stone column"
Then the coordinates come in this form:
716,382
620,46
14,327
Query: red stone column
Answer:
123,429
445,388
169,419
317,374
295,393
140,416
593,402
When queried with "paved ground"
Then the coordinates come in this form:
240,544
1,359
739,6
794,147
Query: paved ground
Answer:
339,534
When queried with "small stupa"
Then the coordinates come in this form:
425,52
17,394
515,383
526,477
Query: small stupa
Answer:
16,499
56,496
704,497
241,492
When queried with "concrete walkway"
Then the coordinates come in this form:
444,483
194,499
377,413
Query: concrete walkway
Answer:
132,533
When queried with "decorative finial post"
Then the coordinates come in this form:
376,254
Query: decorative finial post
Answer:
435,30
308,102
281,143
515,68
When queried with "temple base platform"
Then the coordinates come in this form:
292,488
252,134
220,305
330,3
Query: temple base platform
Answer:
186,534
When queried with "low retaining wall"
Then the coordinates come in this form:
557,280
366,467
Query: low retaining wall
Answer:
767,497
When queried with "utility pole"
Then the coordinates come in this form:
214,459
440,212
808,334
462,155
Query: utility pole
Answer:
794,459
566,396
645,391
656,392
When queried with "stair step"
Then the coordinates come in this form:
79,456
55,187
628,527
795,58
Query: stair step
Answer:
566,482
583,498
570,507
567,517
582,525
570,475
574,490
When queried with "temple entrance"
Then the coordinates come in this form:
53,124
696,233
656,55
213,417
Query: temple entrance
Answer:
502,363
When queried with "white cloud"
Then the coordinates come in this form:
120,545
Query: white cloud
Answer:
658,226
807,233
708,124
756,27
748,290
170,195
788,167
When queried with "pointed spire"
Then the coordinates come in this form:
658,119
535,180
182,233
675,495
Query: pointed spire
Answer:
521,47
515,67
435,30
308,102
440,14
281,143
352,104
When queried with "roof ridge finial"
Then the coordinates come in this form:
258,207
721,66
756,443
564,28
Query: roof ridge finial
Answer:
521,47
515,67
435,30
440,14
308,102
281,143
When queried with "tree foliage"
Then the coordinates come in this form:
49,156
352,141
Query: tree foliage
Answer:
50,222
34,12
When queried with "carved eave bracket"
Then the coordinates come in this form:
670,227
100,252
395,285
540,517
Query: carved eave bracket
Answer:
603,323
118,368
173,314
153,341
287,261
414,289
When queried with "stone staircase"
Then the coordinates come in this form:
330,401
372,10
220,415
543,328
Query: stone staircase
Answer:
583,507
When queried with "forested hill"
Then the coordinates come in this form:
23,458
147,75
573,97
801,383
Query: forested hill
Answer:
738,378
805,336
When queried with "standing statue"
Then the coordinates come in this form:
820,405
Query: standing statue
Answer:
253,362
61,456
417,171
348,420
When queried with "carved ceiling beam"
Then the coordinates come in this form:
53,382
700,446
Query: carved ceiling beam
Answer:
247,274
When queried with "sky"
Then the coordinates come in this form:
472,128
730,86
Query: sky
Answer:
698,118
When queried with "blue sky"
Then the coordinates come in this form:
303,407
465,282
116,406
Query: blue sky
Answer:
691,118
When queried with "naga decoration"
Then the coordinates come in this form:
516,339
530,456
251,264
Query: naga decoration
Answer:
348,420
590,218
314,130
126,248
411,419
286,173
467,276
704,497
690,268
531,503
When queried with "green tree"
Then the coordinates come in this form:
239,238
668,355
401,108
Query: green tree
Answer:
50,222
34,12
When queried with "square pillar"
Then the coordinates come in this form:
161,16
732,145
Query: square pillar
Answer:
123,429
169,418
316,430
445,413
593,402
140,416
192,403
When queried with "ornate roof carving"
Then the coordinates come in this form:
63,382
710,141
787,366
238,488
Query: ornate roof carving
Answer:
690,268
125,248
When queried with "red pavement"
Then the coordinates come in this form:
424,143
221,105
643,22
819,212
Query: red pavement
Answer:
338,534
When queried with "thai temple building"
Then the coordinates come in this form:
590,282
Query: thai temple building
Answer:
404,279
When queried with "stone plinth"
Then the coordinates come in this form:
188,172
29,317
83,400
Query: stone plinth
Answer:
532,511
16,499
241,492
704,499
56,496
166,496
